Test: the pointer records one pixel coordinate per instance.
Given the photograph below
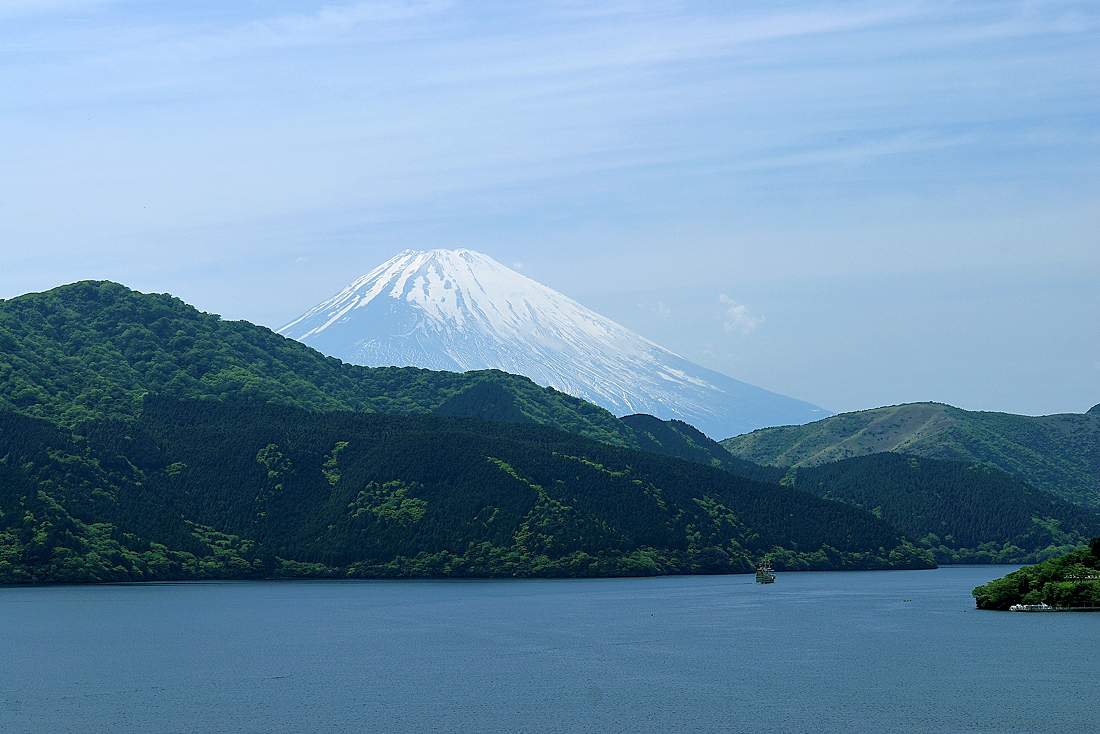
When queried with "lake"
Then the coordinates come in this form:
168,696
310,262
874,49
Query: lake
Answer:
814,652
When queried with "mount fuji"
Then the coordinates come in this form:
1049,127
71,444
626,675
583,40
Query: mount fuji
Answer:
459,310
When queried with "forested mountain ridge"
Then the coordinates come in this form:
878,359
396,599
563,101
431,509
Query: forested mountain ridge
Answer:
93,349
199,489
1057,453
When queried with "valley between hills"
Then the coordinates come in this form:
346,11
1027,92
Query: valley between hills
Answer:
142,439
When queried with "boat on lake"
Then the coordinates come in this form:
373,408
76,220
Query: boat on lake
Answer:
1047,608
765,574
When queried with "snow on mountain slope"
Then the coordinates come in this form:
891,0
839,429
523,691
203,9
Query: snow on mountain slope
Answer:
460,310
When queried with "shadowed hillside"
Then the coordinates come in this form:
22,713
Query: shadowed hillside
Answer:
964,513
200,489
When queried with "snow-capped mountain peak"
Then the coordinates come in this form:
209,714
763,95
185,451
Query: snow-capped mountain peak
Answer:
460,291
461,310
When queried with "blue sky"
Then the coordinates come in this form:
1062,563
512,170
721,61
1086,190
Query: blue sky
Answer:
854,204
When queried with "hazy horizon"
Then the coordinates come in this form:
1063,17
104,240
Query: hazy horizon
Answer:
853,204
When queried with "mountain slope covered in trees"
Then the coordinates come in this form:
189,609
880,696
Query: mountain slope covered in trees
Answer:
200,489
1057,453
96,354
964,513
93,349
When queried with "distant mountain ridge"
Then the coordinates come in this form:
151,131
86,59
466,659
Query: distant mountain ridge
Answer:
460,310
1057,453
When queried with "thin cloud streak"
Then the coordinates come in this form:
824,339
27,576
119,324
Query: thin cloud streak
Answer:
737,317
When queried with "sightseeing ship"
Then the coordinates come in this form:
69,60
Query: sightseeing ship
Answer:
765,574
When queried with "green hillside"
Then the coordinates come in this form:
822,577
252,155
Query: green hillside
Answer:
91,358
1057,453
964,513
203,489
93,349
1071,580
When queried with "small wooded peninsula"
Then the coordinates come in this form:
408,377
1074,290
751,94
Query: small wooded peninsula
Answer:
1066,582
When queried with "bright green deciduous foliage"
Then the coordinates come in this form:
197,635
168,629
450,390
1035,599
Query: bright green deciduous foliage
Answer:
330,467
389,501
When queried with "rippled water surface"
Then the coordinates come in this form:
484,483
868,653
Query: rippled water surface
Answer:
814,652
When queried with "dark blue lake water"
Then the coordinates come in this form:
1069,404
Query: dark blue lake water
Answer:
815,652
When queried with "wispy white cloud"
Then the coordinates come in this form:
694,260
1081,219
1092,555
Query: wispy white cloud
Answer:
737,317
657,307
40,8
330,24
